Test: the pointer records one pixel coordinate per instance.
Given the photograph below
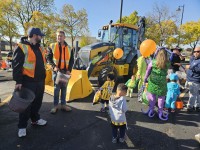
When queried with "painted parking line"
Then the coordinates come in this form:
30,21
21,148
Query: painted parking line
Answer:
5,101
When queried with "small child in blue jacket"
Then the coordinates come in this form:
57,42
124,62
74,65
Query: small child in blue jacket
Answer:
173,91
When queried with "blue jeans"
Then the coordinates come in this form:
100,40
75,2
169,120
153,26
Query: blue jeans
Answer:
57,88
122,130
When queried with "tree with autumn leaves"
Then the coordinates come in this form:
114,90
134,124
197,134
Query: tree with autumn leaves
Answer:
190,33
18,15
161,26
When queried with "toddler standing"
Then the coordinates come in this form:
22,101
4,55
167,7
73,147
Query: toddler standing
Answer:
173,91
106,92
117,110
131,84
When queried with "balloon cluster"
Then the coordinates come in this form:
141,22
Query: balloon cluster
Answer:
147,48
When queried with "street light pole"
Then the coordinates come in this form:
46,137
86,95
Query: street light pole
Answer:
120,20
179,8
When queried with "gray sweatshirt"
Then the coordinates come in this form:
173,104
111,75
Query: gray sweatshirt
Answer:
117,109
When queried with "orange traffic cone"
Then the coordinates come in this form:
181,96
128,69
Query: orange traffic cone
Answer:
3,65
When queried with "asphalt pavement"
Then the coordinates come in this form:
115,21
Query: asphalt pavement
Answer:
86,128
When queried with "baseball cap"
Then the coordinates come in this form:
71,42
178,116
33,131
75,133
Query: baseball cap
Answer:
177,48
36,31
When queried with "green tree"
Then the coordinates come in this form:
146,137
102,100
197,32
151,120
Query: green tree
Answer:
23,10
85,40
8,28
46,22
131,19
191,33
161,26
74,23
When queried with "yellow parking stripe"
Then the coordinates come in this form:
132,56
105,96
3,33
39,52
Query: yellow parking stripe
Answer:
5,100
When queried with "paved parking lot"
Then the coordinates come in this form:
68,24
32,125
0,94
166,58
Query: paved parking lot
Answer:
85,128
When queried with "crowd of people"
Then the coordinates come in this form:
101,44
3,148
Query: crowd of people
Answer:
29,60
155,71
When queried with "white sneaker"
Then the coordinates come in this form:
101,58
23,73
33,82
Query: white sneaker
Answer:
121,140
40,122
197,137
114,140
22,132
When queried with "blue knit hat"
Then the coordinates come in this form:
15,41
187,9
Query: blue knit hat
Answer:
173,76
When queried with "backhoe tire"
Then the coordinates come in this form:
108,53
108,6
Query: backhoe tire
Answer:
104,72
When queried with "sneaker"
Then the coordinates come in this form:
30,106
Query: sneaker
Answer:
114,140
66,108
197,137
121,140
189,109
102,110
197,109
22,132
54,110
172,110
40,122
106,108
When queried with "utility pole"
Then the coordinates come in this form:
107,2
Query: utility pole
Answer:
179,9
121,11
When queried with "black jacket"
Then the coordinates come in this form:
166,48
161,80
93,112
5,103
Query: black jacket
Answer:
49,57
18,61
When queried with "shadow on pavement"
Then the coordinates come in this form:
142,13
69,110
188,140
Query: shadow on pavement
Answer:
85,128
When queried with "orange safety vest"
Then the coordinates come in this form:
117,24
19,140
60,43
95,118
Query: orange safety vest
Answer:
56,55
30,59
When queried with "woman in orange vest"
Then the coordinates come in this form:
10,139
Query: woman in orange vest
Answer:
61,58
29,72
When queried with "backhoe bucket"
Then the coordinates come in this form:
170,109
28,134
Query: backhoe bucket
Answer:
79,85
48,79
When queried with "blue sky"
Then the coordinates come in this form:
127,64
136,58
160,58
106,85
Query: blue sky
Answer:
100,12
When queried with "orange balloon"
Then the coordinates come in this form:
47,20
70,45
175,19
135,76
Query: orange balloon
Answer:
118,53
147,47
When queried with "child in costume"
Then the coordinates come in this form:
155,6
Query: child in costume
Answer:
157,85
142,64
117,110
173,91
106,91
131,84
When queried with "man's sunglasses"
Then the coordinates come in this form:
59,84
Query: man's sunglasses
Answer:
196,52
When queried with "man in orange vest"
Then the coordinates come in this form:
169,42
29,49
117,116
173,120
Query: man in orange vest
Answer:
61,58
29,72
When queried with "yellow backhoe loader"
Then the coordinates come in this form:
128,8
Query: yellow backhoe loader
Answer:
96,60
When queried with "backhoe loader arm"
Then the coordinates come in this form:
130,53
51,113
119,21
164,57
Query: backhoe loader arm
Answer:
97,59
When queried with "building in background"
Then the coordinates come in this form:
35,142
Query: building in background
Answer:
5,46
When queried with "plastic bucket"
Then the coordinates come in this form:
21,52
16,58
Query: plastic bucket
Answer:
179,104
62,78
21,99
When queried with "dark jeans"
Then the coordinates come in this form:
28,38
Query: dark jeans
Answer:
57,89
33,109
121,129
